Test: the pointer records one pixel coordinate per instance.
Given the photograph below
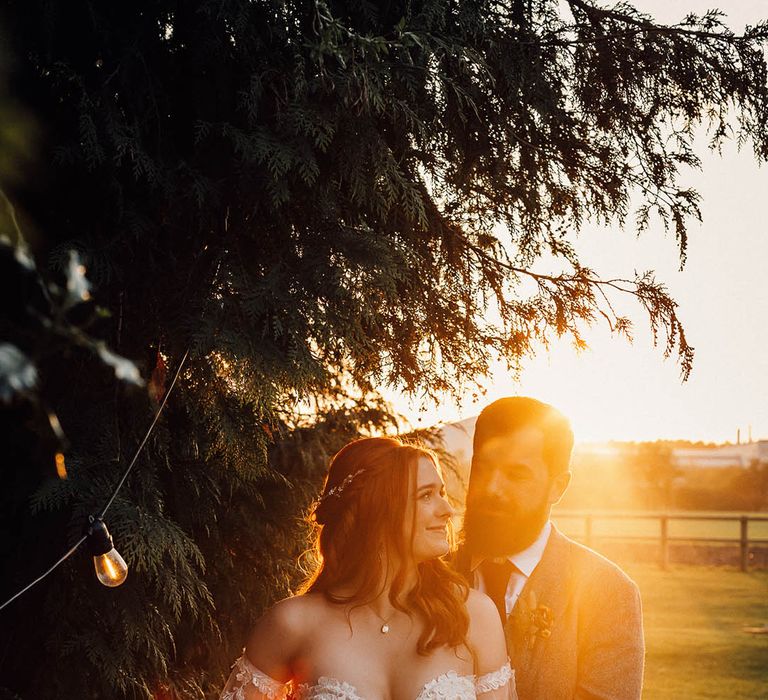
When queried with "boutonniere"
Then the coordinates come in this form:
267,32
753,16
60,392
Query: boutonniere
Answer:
533,619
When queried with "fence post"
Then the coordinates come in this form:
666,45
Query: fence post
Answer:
744,543
588,530
664,554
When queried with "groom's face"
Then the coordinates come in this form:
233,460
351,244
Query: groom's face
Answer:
510,493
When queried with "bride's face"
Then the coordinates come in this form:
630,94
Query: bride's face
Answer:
429,513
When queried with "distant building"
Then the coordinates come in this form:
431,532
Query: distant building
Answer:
458,438
458,441
723,456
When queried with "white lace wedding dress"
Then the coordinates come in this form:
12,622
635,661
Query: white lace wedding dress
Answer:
246,682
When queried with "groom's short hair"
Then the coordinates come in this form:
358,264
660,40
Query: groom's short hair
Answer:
512,413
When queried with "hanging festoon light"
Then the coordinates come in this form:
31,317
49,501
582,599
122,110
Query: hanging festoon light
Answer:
111,568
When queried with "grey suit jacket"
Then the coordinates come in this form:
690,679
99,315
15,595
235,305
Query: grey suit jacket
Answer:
576,631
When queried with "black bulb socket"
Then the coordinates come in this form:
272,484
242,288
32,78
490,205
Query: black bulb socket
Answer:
99,540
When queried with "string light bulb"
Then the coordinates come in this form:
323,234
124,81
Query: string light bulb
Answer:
61,465
111,569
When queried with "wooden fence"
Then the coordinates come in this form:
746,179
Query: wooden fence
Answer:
663,538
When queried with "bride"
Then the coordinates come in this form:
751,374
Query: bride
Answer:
383,617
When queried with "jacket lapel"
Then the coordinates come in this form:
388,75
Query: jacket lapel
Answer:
541,604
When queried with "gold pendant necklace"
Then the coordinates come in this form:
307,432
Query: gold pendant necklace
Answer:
384,629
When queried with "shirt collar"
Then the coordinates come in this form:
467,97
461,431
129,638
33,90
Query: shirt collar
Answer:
526,560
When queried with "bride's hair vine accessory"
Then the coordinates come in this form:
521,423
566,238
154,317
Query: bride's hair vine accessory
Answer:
337,490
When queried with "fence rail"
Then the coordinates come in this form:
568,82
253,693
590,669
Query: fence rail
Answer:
664,538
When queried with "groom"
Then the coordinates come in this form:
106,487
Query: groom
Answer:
572,618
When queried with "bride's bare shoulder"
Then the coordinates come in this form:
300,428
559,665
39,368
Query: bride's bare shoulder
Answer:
292,614
482,610
278,635
486,634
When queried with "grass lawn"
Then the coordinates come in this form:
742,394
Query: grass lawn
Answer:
696,647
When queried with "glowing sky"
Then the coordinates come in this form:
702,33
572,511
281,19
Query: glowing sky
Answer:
629,392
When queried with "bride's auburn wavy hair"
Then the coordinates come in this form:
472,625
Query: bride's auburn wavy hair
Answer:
361,515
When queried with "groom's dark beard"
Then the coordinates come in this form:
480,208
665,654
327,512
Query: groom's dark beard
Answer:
490,531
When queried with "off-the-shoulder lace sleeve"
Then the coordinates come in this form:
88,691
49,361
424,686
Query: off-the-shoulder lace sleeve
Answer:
246,682
497,685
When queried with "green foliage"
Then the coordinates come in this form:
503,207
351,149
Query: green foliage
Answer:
654,469
316,199
640,476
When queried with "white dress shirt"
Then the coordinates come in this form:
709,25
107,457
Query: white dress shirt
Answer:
524,563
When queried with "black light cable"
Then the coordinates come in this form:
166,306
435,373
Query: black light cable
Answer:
110,566
41,577
146,437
